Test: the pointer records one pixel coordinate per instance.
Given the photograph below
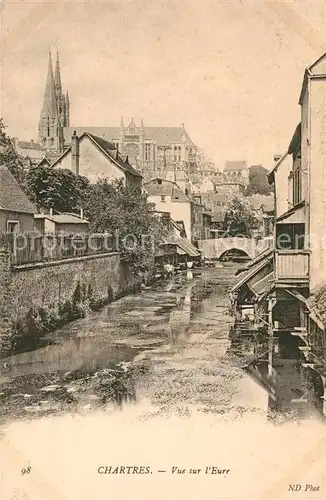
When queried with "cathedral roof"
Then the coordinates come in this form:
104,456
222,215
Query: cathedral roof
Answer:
162,135
12,197
50,101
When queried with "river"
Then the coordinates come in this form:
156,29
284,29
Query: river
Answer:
152,380
168,344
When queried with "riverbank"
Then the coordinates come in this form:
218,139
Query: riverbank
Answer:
145,331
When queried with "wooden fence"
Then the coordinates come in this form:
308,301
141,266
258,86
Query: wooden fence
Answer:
29,248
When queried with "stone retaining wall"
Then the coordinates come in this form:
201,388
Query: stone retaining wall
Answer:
55,293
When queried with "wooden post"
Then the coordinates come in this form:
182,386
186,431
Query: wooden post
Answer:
271,304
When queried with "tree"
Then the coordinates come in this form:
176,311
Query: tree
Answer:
9,157
59,189
125,212
240,219
258,183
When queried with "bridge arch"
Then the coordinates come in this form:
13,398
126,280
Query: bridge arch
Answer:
215,248
232,251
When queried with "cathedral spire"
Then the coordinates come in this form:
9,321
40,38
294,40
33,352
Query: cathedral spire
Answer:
122,127
49,102
57,76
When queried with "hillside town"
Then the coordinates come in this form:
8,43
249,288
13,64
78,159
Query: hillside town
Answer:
91,215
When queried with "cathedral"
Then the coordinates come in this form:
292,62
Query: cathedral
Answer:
151,150
55,111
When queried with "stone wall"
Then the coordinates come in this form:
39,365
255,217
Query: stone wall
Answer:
56,292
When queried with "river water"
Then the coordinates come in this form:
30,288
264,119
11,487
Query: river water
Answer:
168,344
152,380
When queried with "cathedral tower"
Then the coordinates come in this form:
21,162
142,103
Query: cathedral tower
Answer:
55,110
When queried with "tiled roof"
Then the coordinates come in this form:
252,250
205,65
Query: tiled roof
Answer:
30,145
62,218
317,305
111,151
249,273
235,166
44,161
262,287
162,135
12,197
167,188
184,244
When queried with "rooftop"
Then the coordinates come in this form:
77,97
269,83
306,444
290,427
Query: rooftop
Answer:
12,197
235,166
62,218
161,135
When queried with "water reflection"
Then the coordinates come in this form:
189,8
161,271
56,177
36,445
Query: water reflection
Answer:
293,393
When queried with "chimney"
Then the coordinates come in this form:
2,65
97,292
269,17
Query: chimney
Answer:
75,154
51,211
81,214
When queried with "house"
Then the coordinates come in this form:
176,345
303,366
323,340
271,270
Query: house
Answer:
169,197
16,211
174,248
294,304
29,150
94,157
61,223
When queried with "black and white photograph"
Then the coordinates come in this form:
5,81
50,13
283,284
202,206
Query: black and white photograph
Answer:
163,250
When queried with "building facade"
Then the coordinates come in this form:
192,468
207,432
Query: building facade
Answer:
151,150
287,287
185,210
93,157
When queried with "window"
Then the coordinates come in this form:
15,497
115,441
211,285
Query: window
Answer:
147,152
162,198
297,182
290,236
159,181
12,226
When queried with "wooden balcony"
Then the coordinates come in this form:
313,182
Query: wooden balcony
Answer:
292,267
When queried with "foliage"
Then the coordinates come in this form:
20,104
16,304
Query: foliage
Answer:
56,188
258,183
124,212
240,218
9,157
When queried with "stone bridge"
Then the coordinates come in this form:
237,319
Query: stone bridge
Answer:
215,248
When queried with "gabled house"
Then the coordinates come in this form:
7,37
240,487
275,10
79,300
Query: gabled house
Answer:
16,210
94,157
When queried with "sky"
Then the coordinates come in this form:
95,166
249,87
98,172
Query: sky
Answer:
231,71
